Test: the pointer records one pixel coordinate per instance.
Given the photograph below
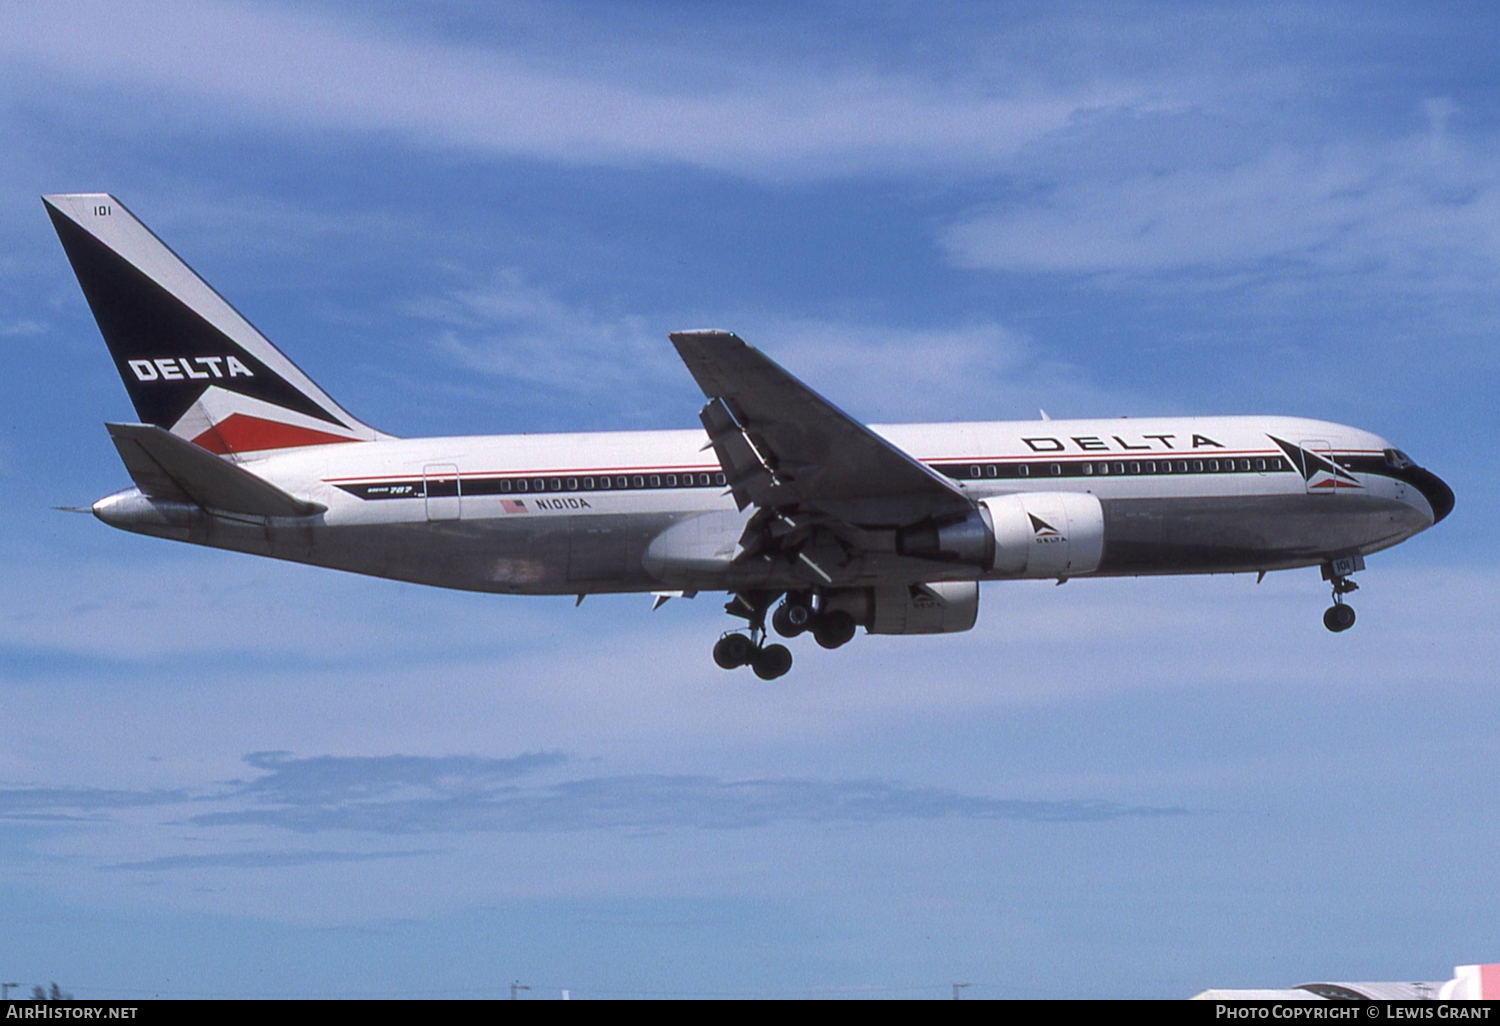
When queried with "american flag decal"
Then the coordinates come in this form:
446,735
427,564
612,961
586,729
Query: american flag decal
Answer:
513,505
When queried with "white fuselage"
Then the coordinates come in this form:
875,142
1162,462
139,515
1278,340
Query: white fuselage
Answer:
649,511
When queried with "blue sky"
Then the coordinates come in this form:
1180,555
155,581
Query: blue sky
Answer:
221,776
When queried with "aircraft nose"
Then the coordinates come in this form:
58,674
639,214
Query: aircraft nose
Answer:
1434,489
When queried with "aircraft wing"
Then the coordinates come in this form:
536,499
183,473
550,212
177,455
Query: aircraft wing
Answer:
782,445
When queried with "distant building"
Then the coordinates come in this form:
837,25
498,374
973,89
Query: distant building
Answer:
1469,983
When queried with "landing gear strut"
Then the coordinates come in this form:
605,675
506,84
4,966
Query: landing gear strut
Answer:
734,649
1339,617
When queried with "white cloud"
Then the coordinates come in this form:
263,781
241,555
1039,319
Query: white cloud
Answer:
754,113
205,603
634,696
980,370
22,327
518,331
1424,208
513,329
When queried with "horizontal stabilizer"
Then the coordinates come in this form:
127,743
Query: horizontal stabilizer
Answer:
165,466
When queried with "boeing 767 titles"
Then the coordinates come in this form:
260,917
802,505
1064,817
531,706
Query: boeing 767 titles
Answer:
780,497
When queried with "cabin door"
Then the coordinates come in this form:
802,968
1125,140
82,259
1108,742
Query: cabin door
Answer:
443,491
1318,457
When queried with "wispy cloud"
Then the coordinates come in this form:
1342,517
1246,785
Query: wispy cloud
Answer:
1421,207
407,795
521,332
258,860
120,611
14,329
755,112
978,370
512,328
77,802
668,802
413,795
325,779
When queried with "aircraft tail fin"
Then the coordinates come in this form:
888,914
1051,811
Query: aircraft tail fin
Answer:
190,362
165,466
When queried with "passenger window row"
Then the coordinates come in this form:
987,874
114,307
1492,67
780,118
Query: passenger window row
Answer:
599,483
1105,468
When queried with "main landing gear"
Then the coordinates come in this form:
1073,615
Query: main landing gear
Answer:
1339,617
800,613
768,661
830,629
734,649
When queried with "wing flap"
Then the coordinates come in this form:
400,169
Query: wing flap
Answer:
164,466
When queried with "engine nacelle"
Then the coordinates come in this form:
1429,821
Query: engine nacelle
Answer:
1046,534
943,607
970,540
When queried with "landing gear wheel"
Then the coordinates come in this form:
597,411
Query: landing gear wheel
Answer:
791,619
834,629
733,651
771,662
1339,618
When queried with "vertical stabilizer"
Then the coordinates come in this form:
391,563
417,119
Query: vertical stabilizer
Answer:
191,364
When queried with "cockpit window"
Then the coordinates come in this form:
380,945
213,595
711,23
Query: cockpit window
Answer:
1398,459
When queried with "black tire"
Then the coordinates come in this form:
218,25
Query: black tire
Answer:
772,661
782,620
733,651
1339,618
832,630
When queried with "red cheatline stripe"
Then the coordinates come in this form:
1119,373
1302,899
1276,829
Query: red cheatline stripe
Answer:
707,468
240,432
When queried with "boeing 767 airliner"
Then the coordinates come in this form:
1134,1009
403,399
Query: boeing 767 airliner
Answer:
780,497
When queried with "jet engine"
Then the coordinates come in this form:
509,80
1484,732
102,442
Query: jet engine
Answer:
942,607
1029,534
1046,534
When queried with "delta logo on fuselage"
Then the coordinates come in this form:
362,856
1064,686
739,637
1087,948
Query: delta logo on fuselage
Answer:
1093,443
182,368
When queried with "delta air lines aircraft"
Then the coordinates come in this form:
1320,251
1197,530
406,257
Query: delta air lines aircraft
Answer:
797,511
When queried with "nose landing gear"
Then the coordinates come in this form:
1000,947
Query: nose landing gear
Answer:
1339,617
